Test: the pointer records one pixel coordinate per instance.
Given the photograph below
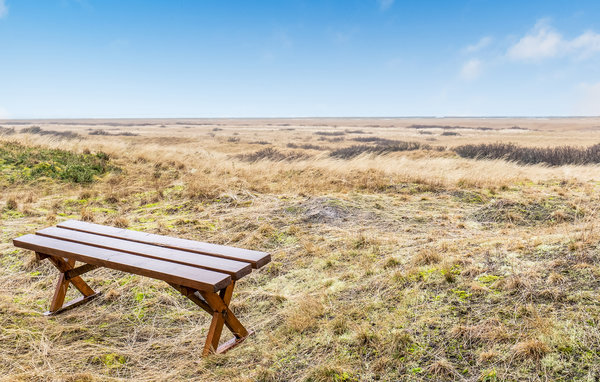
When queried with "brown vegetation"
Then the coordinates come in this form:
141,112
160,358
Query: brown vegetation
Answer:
554,156
388,146
413,265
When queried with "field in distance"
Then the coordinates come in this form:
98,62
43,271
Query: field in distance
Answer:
421,249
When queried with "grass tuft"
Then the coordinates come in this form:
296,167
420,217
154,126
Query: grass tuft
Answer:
426,256
532,349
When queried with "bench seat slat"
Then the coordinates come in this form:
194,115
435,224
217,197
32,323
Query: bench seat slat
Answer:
256,258
180,274
236,269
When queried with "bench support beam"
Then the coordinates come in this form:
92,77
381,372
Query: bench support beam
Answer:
72,304
193,296
79,271
68,275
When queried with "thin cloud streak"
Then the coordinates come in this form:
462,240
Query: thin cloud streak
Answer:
3,9
482,43
385,4
545,42
471,70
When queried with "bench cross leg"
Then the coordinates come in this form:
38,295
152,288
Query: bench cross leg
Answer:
217,305
68,275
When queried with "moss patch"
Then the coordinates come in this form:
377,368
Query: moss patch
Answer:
20,163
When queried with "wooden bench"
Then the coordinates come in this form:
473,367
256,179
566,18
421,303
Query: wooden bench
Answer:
204,273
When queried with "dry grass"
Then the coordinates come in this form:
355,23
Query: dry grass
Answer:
531,349
426,256
303,314
413,265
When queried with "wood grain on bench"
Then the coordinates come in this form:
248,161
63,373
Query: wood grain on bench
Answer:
186,275
236,269
256,258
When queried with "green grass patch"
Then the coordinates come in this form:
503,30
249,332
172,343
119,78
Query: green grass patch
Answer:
20,163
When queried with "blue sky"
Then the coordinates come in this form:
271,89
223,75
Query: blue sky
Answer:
298,58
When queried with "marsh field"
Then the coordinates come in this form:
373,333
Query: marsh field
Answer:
402,249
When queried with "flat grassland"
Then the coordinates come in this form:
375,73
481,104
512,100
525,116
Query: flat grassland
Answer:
394,258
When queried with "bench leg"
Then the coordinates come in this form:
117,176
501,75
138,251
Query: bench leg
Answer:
216,325
222,315
64,266
217,304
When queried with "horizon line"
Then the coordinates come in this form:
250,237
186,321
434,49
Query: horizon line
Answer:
8,120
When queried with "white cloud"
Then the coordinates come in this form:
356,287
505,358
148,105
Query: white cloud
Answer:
471,69
541,42
482,43
545,42
587,44
3,113
3,9
385,4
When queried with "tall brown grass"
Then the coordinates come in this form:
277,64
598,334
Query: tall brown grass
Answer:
383,267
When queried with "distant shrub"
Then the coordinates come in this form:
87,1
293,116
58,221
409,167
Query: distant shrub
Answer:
270,153
553,156
18,162
334,139
432,127
121,133
233,139
7,130
358,131
331,133
99,132
445,127
373,139
260,143
306,146
39,131
356,150
450,133
32,130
